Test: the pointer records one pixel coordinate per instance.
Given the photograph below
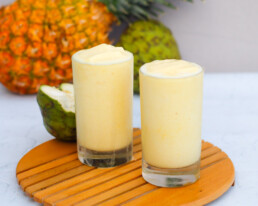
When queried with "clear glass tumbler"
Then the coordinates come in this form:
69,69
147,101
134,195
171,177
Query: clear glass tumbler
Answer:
103,104
171,110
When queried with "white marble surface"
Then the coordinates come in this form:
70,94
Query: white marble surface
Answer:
230,121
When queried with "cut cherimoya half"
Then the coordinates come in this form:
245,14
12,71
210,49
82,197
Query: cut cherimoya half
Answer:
58,112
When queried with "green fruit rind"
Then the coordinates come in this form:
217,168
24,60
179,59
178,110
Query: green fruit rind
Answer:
148,41
58,121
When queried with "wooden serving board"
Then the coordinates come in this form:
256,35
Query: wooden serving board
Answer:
52,175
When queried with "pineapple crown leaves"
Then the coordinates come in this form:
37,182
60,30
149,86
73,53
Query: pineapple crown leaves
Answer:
125,10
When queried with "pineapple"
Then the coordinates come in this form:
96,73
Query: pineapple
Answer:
148,41
38,37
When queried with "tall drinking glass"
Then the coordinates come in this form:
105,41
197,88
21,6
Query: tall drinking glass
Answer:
103,84
171,110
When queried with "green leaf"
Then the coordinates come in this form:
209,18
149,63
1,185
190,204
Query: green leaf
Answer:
125,10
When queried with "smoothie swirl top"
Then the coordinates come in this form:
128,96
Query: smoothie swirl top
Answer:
170,68
102,54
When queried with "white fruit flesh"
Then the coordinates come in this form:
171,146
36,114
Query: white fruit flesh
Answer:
66,99
67,87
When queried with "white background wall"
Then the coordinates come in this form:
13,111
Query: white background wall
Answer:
220,35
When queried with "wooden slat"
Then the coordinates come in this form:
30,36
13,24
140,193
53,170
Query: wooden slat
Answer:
210,151
52,150
47,166
215,180
129,195
56,163
49,173
113,192
213,159
58,178
38,186
49,151
137,148
136,132
62,160
41,195
53,175
206,145
99,188
95,181
137,140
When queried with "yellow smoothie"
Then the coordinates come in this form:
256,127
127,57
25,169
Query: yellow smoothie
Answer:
171,108
103,83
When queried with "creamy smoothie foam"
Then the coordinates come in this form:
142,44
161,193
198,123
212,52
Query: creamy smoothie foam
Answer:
171,68
171,103
103,81
103,54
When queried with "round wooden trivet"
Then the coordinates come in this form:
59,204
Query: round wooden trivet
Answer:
52,175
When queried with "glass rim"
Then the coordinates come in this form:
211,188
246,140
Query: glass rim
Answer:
171,77
75,58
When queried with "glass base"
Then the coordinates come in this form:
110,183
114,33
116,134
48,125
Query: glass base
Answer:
105,159
177,177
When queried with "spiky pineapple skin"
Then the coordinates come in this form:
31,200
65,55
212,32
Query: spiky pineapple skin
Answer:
148,41
38,37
